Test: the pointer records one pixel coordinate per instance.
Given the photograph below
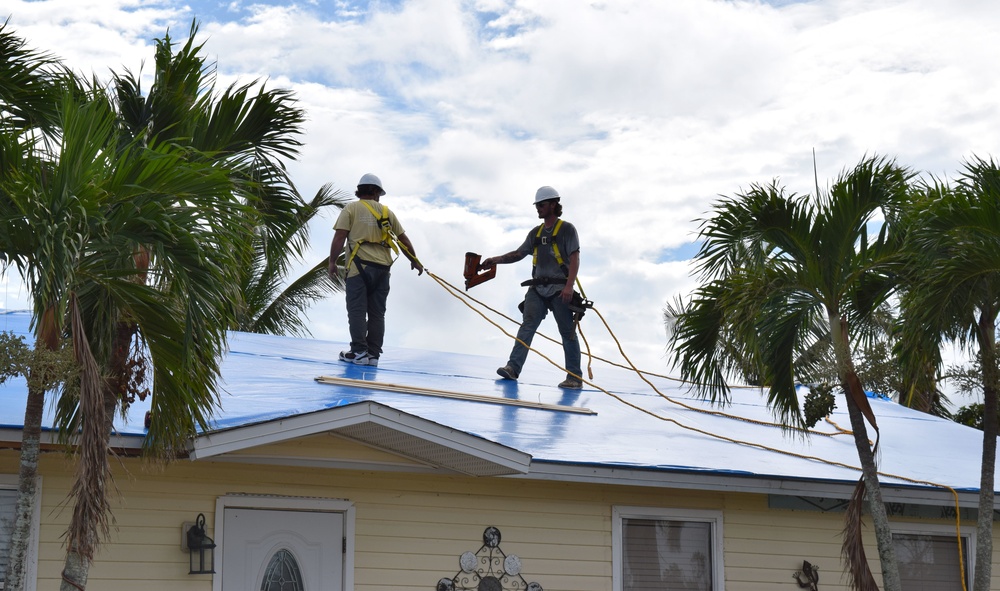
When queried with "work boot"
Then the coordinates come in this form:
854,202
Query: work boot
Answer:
507,372
571,383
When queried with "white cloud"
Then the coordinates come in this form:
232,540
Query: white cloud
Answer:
640,112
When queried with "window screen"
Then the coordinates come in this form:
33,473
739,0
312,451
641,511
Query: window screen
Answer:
666,555
929,562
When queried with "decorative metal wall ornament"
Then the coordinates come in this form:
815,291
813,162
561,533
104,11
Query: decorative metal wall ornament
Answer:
488,569
809,572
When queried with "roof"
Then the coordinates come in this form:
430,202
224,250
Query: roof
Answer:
451,413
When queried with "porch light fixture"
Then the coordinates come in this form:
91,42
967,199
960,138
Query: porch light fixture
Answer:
201,548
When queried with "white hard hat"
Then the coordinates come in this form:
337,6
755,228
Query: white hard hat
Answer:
370,179
545,193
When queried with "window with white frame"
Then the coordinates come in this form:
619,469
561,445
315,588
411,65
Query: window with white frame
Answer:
8,500
929,557
667,549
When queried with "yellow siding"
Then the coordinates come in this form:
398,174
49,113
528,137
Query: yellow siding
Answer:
411,530
325,446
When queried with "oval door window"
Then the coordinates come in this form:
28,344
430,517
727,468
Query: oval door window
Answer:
282,573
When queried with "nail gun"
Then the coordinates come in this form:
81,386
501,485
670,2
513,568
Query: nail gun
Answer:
472,275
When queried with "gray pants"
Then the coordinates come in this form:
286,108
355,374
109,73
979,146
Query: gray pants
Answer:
536,308
366,294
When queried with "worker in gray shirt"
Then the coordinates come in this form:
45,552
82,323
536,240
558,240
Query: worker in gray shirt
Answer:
555,250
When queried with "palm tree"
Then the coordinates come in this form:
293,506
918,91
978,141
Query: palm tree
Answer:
954,294
774,266
31,84
242,135
76,223
251,134
153,212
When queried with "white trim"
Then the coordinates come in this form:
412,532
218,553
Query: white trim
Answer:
720,481
292,504
713,518
10,482
14,435
229,440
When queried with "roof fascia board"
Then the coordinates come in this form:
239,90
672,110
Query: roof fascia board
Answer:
748,484
14,436
284,429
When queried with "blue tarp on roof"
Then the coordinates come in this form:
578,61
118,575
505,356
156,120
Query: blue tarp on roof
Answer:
662,427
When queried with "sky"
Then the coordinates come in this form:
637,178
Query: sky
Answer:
641,113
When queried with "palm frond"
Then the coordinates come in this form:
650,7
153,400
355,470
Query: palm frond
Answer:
284,314
31,82
859,574
91,510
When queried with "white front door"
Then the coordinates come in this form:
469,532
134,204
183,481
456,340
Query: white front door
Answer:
282,550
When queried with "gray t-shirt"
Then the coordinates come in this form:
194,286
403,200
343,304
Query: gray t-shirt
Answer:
546,266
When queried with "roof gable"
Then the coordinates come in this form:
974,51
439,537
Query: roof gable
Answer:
380,427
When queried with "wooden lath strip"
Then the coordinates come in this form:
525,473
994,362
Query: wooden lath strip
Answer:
334,381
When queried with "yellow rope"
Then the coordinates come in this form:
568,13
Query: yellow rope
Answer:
461,296
464,295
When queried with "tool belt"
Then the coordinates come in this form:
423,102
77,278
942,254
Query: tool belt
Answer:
578,305
544,281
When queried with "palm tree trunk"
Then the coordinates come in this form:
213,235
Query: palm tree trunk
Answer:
75,571
27,478
27,486
880,518
869,472
984,523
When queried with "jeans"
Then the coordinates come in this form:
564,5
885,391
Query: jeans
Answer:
535,309
366,294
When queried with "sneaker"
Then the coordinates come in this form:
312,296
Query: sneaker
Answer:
350,356
358,358
507,372
571,384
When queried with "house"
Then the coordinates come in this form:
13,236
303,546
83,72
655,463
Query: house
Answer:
430,473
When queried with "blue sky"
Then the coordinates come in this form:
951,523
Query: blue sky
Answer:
640,112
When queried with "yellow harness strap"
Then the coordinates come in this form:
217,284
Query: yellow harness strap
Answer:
555,246
388,238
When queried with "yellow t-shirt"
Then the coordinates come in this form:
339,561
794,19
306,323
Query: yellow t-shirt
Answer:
363,227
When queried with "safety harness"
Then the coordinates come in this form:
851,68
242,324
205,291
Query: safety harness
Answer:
543,241
579,304
388,238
